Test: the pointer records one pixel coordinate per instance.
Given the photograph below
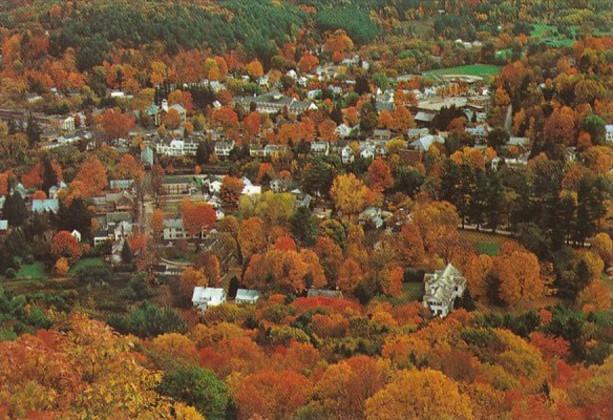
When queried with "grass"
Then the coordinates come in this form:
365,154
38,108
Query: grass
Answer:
87,263
550,35
487,71
36,270
484,243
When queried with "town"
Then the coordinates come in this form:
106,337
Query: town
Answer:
339,228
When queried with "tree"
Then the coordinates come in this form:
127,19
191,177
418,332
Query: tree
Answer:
419,394
304,225
199,388
75,216
317,177
130,168
157,221
90,179
345,387
350,275
116,124
231,189
14,209
252,124
251,237
172,119
271,394
307,62
559,128
410,245
65,245
190,278
255,69
62,266
391,281
197,217
349,194
126,253
379,175
148,320
519,274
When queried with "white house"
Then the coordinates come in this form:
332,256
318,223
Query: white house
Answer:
67,124
247,296
609,133
76,234
442,288
320,148
347,155
204,297
224,148
424,143
177,148
343,130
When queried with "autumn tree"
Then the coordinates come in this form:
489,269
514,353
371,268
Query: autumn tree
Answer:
519,277
130,168
231,189
255,69
157,221
391,280
90,179
197,217
350,275
251,237
271,394
65,245
419,394
116,124
349,194
379,175
345,386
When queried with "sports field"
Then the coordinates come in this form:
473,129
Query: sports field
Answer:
487,71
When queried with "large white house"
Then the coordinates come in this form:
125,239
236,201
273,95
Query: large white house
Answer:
177,148
442,288
609,133
204,297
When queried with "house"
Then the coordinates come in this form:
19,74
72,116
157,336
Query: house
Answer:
442,288
380,135
173,230
424,143
146,156
416,133
153,111
121,184
178,185
273,102
177,107
343,131
67,124
371,216
347,155
204,297
275,150
76,234
224,148
47,205
4,226
324,293
321,148
247,296
249,188
177,148
609,133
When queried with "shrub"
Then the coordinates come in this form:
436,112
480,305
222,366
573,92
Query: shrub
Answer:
10,273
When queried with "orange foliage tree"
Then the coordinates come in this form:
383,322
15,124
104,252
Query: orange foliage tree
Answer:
65,245
197,216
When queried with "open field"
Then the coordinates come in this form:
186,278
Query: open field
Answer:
487,71
86,263
36,270
484,242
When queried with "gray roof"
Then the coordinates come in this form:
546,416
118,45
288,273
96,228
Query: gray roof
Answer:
48,205
247,294
324,293
4,224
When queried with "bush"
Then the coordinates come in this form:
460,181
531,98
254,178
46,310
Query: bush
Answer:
94,275
199,388
10,273
148,320
29,259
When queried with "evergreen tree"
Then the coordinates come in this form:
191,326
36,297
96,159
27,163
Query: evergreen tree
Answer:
76,216
33,131
50,178
14,209
126,253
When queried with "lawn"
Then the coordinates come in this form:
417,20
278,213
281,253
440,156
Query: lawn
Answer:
550,35
487,71
36,270
87,263
484,243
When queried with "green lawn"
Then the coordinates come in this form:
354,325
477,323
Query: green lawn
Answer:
486,71
484,243
550,35
87,263
35,270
